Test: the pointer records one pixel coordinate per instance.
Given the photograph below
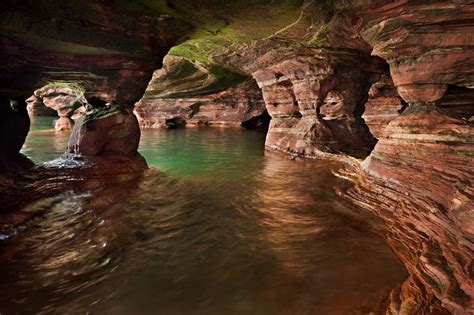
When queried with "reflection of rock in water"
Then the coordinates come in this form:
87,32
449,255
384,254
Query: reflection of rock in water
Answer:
272,242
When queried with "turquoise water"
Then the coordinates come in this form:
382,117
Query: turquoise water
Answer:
43,143
216,226
198,153
204,153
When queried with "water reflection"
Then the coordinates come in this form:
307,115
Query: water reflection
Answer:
43,142
224,230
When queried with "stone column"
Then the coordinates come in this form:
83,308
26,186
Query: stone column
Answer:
316,103
105,130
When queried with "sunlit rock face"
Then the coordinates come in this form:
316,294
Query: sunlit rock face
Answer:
315,75
37,108
66,100
187,93
316,102
384,105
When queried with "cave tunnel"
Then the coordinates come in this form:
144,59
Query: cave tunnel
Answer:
236,157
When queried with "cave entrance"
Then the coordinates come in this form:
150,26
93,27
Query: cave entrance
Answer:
173,123
65,101
457,102
261,122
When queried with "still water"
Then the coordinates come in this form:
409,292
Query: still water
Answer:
216,226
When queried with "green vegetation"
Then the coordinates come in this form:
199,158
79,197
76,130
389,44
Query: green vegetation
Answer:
464,153
328,15
226,23
72,85
101,112
217,28
184,78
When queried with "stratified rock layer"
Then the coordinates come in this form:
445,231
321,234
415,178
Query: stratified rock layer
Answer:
420,185
188,93
316,102
421,170
111,49
384,105
315,74
66,100
428,46
231,107
104,132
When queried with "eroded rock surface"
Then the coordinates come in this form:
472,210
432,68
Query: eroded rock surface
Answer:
110,49
428,46
314,62
420,184
187,93
105,131
316,102
422,165
66,100
384,105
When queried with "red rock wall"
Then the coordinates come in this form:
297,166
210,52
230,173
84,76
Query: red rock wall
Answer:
420,185
230,107
65,100
421,172
384,105
316,103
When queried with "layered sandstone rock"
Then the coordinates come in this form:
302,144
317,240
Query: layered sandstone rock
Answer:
315,75
66,100
105,131
316,102
420,185
384,105
422,165
232,107
428,46
110,49
188,93
315,71
36,108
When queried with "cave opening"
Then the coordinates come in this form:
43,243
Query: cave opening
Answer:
261,121
457,102
120,215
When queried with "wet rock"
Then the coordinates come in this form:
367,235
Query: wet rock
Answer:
423,166
103,131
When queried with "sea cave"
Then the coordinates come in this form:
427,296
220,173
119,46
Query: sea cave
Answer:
237,157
